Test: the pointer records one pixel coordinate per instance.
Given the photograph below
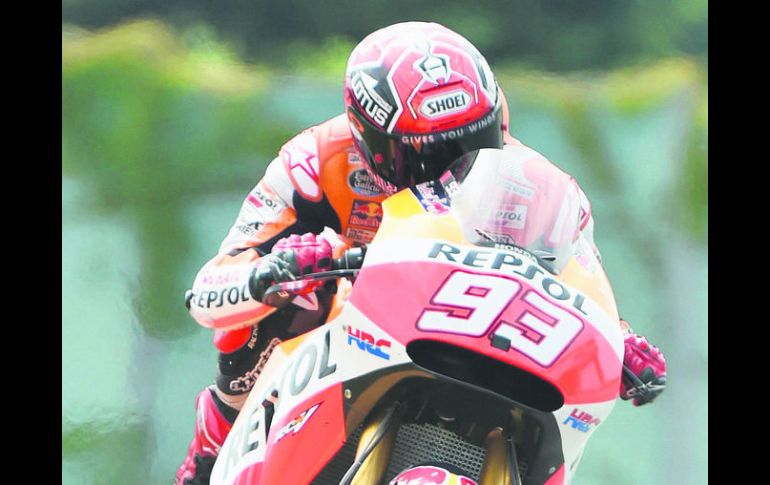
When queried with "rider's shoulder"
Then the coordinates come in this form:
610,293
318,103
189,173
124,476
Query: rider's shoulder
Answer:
530,154
305,156
525,152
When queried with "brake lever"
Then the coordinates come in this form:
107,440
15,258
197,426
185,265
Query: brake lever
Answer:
281,294
640,388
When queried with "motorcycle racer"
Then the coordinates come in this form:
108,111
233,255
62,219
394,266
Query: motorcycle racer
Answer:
417,97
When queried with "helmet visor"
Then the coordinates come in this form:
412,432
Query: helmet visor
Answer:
405,160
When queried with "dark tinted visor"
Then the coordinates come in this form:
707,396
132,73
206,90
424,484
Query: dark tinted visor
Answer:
405,160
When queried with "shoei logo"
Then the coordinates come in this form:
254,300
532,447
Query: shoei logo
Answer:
445,103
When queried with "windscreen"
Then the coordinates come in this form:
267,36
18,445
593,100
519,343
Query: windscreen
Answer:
515,198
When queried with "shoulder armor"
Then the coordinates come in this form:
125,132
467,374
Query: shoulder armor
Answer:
305,154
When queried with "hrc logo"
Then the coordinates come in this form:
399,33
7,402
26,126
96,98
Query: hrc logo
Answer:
365,341
581,420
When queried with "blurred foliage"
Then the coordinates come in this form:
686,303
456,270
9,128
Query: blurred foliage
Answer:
550,34
135,102
630,92
159,117
150,125
96,443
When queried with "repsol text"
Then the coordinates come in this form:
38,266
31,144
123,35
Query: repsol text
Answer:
513,262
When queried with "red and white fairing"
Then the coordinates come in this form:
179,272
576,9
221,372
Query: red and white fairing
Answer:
579,350
309,423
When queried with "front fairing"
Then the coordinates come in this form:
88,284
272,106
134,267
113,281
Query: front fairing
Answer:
318,388
562,328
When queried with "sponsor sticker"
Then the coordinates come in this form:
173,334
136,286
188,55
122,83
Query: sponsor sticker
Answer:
444,104
512,216
432,198
262,197
366,342
501,238
370,100
581,420
296,424
366,214
360,235
519,189
248,230
362,183
451,187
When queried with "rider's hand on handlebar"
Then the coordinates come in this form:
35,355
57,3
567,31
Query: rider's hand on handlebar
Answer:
647,368
291,257
310,252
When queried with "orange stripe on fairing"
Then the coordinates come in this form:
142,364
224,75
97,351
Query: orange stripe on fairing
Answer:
344,288
595,285
288,346
403,215
298,458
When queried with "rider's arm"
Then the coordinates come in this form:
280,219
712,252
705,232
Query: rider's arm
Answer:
587,222
586,226
220,294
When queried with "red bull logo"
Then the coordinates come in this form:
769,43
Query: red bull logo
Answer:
366,214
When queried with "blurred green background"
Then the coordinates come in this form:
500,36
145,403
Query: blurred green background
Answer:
171,111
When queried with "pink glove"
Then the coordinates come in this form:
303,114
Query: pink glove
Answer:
313,253
644,371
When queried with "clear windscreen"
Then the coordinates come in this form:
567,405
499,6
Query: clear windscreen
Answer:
515,198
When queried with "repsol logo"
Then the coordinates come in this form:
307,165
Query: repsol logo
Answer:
508,262
232,295
372,103
445,104
309,365
265,199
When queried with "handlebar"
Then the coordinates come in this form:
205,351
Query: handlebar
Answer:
351,259
347,265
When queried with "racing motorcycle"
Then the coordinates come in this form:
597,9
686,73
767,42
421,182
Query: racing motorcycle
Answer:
480,333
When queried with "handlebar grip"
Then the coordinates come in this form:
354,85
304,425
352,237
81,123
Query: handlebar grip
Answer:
351,259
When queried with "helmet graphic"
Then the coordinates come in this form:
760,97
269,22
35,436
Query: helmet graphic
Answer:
418,96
